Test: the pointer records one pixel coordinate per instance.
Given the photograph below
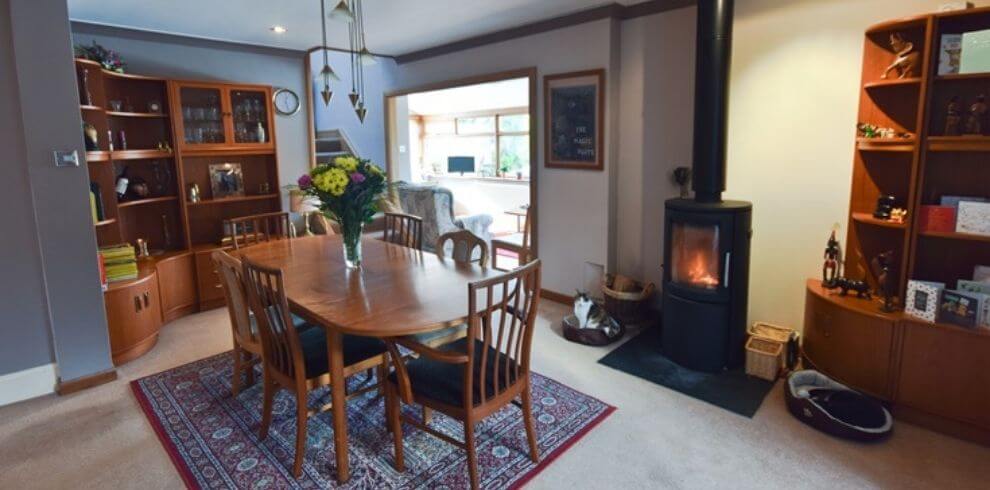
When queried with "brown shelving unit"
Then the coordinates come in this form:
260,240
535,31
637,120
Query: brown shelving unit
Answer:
203,123
929,372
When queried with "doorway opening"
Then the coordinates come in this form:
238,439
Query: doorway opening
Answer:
477,139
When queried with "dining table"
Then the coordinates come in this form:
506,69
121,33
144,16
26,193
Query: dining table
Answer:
397,291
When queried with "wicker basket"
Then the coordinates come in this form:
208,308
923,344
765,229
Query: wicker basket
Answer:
628,306
763,358
773,333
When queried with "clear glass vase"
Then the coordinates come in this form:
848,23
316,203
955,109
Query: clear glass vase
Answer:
352,245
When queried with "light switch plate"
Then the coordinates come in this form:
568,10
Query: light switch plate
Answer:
66,158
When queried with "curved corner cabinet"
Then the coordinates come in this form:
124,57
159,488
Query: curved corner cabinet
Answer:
169,133
936,375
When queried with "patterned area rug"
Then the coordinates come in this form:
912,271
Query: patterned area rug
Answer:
212,436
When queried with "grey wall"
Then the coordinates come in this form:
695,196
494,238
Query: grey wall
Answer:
49,105
25,341
195,59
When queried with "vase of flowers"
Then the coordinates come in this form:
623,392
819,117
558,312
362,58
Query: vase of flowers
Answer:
348,190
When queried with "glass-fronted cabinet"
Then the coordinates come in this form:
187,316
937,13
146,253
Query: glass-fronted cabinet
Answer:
223,116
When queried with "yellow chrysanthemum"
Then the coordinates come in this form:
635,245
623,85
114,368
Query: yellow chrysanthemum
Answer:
333,181
347,164
375,170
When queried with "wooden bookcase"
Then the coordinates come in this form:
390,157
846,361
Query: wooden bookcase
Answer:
932,374
197,124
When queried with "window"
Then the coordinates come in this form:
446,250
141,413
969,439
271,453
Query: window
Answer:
498,140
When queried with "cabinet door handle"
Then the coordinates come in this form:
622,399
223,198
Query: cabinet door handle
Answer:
137,304
146,298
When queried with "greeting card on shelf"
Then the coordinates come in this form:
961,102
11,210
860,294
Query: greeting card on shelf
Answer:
923,299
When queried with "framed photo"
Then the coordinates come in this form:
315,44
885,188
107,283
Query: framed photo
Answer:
226,180
923,299
574,109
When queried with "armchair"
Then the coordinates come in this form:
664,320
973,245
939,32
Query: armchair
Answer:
435,205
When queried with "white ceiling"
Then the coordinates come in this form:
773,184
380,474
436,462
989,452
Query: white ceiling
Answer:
392,27
507,94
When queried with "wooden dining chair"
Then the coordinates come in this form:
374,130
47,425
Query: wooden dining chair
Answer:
249,230
247,342
404,229
518,244
298,361
476,376
465,244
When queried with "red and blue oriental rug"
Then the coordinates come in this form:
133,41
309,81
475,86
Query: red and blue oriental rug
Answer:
212,436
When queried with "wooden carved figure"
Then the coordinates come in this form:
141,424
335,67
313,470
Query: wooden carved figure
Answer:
830,269
907,59
952,118
881,267
977,112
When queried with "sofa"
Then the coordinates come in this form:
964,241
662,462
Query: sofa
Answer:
435,204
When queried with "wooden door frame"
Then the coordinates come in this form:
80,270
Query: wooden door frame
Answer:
530,73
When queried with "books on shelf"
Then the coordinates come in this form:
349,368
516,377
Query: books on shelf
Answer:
120,262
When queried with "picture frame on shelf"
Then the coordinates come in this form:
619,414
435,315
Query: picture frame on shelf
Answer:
574,104
226,180
923,298
973,218
962,308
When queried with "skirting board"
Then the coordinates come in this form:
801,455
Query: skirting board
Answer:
557,297
29,383
79,384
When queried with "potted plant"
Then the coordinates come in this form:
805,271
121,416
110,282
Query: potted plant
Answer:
108,58
348,190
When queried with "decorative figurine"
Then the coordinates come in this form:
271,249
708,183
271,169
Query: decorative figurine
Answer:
682,177
898,215
906,60
90,134
952,118
861,288
977,113
885,205
881,267
141,246
830,269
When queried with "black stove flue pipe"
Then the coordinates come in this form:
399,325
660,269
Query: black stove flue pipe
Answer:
711,98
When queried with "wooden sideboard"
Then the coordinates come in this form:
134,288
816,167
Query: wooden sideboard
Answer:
933,375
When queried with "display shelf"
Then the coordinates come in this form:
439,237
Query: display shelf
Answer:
953,235
905,23
84,107
228,200
97,156
148,115
895,82
886,144
142,202
867,218
140,154
963,76
959,143
105,222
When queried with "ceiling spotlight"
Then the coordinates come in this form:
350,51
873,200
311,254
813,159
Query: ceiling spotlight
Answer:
277,29
342,12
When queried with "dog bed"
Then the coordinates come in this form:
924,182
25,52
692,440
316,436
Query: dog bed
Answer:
833,408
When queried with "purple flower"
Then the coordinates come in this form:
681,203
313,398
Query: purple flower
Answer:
357,177
305,182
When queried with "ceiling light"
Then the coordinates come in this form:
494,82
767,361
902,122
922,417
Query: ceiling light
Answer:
277,29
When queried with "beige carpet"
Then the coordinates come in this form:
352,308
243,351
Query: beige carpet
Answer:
657,439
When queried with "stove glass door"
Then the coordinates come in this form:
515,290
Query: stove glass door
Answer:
695,255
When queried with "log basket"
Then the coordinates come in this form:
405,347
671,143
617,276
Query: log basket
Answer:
628,307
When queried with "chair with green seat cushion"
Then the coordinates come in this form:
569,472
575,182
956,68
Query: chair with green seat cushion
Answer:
298,360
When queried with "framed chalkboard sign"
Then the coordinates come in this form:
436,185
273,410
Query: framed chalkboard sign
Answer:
574,108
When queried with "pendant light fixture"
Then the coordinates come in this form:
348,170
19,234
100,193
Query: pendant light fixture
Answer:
360,57
326,74
342,12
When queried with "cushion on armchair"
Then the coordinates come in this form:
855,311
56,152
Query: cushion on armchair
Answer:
435,205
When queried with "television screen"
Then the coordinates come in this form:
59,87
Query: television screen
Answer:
460,164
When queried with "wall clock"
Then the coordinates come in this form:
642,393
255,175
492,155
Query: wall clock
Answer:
286,102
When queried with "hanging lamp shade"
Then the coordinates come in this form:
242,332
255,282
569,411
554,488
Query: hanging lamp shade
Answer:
367,59
355,98
342,12
327,73
361,111
327,95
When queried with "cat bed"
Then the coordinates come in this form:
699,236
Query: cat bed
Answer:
590,336
833,408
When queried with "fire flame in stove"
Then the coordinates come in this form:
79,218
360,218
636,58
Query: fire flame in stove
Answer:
699,271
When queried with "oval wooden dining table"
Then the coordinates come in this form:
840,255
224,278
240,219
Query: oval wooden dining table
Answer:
398,291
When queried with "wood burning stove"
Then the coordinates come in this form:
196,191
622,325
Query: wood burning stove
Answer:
706,279
706,239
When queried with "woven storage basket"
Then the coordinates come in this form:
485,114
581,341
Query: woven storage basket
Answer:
773,333
763,358
628,306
